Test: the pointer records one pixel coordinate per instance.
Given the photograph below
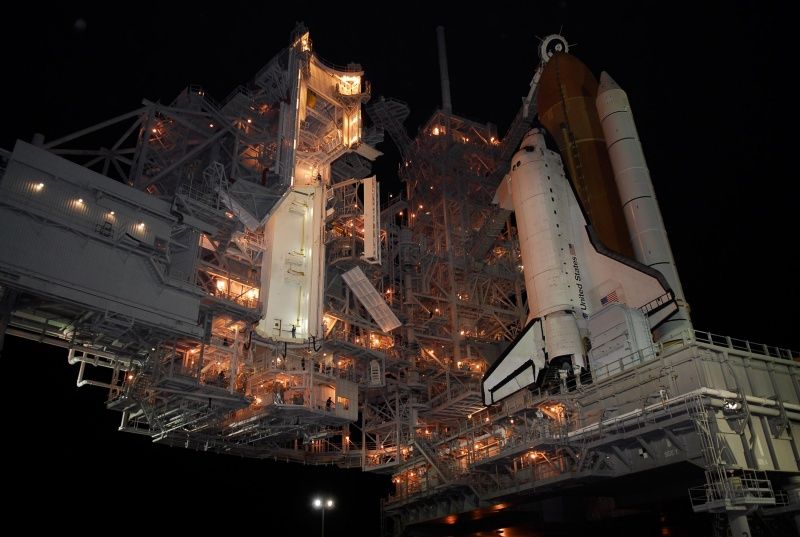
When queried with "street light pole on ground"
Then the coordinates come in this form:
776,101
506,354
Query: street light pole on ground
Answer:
323,504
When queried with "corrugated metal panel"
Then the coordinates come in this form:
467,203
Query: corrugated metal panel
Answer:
372,300
77,208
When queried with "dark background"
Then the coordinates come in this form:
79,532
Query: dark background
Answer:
710,91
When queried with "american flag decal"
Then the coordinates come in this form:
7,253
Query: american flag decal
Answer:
571,250
609,298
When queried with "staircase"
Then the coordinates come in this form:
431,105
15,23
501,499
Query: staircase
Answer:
429,453
486,237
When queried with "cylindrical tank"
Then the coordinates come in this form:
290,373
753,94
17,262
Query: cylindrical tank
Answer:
638,198
566,108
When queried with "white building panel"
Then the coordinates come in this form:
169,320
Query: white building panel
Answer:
71,234
372,222
371,299
292,271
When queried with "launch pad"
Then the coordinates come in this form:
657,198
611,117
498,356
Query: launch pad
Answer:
230,275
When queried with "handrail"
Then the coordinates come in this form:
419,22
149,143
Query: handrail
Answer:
744,345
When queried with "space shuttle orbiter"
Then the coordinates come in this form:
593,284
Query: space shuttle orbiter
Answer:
570,273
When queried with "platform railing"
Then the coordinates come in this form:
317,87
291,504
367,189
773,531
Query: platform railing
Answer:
744,345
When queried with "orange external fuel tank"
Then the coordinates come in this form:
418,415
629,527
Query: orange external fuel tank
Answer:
566,107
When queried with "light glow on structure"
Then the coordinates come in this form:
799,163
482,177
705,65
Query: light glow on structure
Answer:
305,42
351,128
349,84
38,187
221,285
534,455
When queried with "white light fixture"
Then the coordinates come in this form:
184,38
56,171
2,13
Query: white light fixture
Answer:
729,406
321,504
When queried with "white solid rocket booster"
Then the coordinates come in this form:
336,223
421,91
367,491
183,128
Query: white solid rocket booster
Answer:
642,214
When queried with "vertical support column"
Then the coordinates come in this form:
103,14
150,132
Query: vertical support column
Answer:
6,307
454,326
738,524
142,148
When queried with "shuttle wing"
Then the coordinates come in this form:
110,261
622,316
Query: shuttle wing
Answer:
517,367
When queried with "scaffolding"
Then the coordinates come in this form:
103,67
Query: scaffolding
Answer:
392,381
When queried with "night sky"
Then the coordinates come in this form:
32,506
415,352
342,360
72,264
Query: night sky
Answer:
710,95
